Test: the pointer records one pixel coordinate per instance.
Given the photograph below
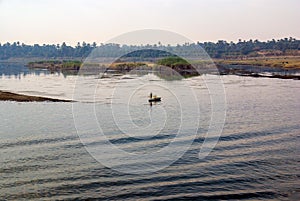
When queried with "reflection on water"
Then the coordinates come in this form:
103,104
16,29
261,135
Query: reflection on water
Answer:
257,156
16,77
19,70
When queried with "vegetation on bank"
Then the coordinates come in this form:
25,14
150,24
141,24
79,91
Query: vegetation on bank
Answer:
56,64
281,62
126,65
219,50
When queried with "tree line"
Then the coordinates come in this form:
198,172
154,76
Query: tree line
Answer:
220,49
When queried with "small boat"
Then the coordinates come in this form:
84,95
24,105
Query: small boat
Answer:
154,99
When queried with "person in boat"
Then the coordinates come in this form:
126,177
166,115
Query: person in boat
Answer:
154,98
150,98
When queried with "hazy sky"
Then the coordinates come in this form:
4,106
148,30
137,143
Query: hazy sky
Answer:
55,21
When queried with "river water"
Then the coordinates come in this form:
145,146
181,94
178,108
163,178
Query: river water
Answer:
44,156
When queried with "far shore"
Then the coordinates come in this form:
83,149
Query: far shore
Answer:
9,96
285,62
282,67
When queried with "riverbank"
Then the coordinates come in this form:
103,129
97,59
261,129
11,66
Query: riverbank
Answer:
9,96
282,67
272,61
286,62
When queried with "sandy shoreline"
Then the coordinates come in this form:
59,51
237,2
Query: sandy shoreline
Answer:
9,96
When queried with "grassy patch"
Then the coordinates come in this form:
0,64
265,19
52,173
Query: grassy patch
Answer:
173,62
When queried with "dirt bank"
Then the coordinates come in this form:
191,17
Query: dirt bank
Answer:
8,96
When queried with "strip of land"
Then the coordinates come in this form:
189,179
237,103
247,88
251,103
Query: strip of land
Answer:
286,62
283,67
56,64
279,62
9,96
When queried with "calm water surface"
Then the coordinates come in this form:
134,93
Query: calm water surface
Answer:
256,158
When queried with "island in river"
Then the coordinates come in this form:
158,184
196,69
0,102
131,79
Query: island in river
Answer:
56,64
284,67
